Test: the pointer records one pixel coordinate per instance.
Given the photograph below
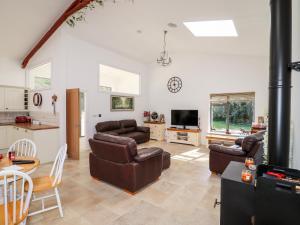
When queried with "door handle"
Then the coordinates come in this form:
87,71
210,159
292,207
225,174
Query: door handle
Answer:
216,203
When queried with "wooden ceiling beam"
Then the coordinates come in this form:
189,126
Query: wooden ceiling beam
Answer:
74,7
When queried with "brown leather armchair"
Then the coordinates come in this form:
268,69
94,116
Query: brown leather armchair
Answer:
251,146
117,160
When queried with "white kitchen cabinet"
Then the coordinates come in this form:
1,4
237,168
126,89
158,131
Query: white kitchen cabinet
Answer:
13,99
3,137
2,98
46,140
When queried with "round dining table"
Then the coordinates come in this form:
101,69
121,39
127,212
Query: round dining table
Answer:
6,164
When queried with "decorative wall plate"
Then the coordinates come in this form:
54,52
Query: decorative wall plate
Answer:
174,84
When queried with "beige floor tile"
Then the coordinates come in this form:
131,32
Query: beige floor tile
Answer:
183,195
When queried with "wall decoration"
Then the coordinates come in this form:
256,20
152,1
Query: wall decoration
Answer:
154,116
37,99
174,84
121,103
147,116
80,15
162,118
54,100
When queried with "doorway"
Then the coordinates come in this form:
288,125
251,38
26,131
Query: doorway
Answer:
84,145
73,122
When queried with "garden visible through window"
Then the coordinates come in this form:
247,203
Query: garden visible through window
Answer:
231,112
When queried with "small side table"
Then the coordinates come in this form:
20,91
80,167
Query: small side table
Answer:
157,130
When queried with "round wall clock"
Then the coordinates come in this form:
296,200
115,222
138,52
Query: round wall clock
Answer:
174,84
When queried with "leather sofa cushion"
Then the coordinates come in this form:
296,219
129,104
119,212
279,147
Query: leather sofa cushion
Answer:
134,135
108,126
128,130
128,123
119,131
129,142
230,150
147,153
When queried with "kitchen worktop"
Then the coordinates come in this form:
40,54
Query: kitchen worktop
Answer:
30,126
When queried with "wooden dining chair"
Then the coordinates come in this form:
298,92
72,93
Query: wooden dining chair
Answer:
51,182
23,147
15,211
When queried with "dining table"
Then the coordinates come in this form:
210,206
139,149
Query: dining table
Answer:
6,164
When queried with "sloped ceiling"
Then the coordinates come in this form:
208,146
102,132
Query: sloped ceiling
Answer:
115,26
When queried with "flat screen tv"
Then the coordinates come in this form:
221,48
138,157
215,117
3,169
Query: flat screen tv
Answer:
184,118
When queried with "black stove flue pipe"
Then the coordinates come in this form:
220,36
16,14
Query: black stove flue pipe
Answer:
280,82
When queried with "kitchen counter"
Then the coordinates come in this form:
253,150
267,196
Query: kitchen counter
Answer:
30,126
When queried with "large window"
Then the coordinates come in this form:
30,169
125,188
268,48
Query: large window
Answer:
40,77
231,112
118,81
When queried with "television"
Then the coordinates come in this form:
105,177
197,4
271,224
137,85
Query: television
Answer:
184,118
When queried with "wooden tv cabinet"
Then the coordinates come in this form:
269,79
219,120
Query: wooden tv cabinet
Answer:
184,136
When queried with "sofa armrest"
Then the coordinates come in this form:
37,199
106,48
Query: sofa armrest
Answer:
147,153
143,129
231,150
239,141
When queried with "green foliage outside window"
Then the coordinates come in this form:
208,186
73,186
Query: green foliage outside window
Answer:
232,113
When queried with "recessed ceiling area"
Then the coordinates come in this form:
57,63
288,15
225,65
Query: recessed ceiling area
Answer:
116,26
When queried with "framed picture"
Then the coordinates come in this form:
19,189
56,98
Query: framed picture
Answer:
121,103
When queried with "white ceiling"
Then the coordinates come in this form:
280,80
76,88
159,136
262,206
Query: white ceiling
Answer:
115,26
22,23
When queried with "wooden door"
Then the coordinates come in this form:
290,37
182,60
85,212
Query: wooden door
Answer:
73,123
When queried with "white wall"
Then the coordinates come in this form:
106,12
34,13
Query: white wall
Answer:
296,84
75,64
203,75
83,61
11,73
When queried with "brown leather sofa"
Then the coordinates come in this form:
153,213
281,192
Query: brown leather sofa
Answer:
251,146
125,128
116,160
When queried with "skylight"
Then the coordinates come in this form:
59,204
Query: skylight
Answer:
213,28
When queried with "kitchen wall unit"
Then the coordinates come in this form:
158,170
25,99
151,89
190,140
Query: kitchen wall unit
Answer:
13,99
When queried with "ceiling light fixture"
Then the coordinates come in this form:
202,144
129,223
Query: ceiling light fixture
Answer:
164,58
213,28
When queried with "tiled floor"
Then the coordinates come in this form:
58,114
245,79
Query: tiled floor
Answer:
184,194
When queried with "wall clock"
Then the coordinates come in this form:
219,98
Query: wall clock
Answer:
174,84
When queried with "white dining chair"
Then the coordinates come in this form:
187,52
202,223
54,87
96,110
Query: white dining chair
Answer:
23,147
15,211
51,182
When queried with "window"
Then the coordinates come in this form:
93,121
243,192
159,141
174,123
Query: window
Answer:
212,28
231,112
40,77
118,81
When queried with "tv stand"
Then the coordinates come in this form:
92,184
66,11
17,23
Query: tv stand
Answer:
184,136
